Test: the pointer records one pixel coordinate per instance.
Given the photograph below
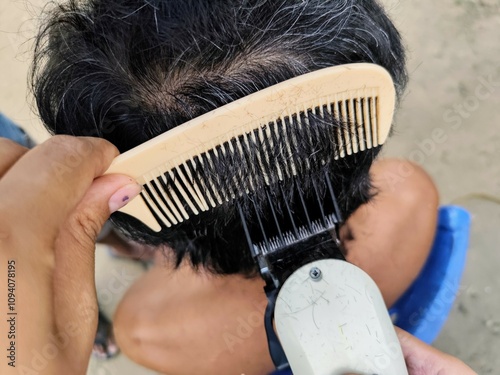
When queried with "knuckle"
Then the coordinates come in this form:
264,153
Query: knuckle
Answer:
83,147
72,143
85,227
71,151
63,141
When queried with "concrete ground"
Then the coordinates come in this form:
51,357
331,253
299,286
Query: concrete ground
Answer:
448,122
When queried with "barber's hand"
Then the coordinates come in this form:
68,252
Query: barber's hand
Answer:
422,359
53,204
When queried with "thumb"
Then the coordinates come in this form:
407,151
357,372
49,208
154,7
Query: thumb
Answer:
424,359
75,246
106,195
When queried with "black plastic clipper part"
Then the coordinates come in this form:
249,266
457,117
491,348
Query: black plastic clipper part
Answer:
289,233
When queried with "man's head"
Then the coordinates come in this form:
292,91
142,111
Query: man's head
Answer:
129,70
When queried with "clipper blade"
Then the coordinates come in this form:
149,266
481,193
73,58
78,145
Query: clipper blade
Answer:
300,220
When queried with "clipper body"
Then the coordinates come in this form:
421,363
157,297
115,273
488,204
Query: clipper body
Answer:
331,320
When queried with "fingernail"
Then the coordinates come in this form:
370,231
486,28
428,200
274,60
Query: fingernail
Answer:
121,198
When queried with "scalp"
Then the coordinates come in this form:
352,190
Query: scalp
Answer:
127,71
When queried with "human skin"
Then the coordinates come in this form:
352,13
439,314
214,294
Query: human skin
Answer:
422,359
52,206
219,318
49,225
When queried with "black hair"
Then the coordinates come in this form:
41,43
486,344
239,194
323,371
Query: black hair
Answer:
129,70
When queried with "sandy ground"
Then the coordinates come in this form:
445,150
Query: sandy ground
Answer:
450,125
448,122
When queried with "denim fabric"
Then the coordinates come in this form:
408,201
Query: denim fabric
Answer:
10,130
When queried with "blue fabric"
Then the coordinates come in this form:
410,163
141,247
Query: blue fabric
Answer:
425,306
10,130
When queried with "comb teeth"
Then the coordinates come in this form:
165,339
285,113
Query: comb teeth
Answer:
269,136
262,157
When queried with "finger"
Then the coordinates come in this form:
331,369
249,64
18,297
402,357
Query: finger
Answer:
74,273
77,237
10,153
424,359
414,350
49,181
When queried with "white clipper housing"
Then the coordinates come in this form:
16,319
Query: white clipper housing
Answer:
331,320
